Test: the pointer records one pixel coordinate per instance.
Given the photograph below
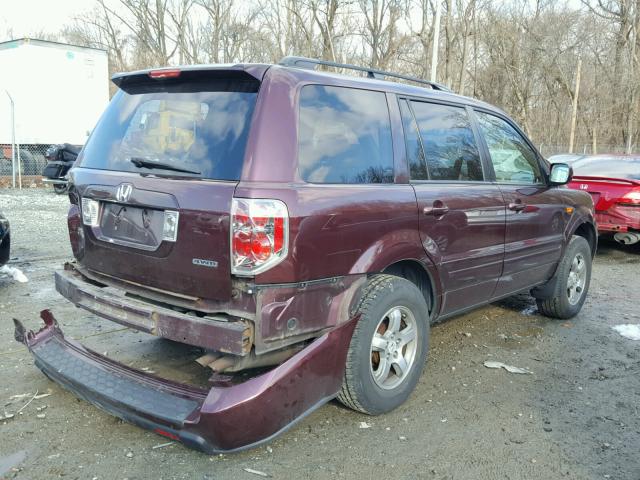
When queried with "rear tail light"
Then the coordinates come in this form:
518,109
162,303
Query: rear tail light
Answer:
632,198
259,235
90,210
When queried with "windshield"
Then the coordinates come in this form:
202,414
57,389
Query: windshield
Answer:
612,167
186,129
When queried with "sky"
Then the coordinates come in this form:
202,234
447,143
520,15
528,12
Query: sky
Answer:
25,17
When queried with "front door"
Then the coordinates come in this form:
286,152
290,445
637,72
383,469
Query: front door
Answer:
462,216
535,212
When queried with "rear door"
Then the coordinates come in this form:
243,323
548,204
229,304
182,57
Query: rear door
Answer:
535,212
157,177
462,216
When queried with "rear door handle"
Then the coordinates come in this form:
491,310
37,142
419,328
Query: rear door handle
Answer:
436,211
517,206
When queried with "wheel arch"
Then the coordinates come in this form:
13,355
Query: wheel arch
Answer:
588,231
417,273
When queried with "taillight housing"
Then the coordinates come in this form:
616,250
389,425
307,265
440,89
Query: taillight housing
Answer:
632,198
259,235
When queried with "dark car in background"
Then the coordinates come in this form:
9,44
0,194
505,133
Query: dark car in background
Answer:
613,181
5,240
305,229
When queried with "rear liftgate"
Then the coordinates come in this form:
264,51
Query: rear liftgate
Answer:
221,419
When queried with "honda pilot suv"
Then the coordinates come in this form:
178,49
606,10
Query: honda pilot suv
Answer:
305,229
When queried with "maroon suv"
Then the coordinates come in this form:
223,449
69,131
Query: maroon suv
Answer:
305,229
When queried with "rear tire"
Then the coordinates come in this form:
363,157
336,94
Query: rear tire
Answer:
573,279
388,347
59,188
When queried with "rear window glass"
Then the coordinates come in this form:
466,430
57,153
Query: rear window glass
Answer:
345,136
201,128
613,167
449,144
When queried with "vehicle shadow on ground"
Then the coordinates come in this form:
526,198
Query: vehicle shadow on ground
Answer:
522,303
609,247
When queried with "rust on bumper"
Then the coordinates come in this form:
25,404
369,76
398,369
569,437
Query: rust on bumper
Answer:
229,336
221,419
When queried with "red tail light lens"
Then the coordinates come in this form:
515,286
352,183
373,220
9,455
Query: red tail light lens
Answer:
632,198
259,235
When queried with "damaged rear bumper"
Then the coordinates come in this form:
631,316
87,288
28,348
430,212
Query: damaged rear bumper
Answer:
233,336
221,419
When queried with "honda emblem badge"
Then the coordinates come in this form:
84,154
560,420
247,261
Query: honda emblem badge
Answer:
124,192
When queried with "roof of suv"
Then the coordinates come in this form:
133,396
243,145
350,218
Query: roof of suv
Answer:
383,85
258,70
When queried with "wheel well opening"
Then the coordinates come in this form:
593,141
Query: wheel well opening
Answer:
416,274
586,231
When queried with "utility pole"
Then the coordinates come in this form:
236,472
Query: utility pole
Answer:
13,141
436,41
574,112
632,88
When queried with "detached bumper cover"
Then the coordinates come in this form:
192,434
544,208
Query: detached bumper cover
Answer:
221,419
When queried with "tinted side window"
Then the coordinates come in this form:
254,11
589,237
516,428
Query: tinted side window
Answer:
449,144
415,154
344,136
512,159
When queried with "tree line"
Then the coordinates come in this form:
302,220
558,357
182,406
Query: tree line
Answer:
521,55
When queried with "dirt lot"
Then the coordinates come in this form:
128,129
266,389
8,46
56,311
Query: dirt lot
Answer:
576,416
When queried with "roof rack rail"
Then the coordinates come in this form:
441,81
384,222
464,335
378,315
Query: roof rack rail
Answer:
312,63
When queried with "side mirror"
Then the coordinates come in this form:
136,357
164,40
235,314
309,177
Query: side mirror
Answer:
561,174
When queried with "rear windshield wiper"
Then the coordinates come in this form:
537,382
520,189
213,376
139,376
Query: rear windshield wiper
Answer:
143,162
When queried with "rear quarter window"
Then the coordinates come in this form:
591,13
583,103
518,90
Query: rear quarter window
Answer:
344,136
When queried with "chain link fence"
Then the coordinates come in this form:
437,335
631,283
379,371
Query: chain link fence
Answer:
32,159
586,149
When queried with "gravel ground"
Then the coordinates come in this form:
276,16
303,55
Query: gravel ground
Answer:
576,416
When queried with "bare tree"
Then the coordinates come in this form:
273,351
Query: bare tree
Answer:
380,30
520,55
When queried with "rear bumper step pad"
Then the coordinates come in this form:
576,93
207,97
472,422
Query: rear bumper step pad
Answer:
221,419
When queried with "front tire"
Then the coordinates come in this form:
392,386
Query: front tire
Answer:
573,279
388,348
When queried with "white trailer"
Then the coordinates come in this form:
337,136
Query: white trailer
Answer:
59,91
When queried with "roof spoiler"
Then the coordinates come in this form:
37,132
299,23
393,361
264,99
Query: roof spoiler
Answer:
240,72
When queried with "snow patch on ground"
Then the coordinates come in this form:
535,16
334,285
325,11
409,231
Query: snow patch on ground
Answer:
530,310
628,330
16,273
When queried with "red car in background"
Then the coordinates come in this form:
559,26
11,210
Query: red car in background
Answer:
614,184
